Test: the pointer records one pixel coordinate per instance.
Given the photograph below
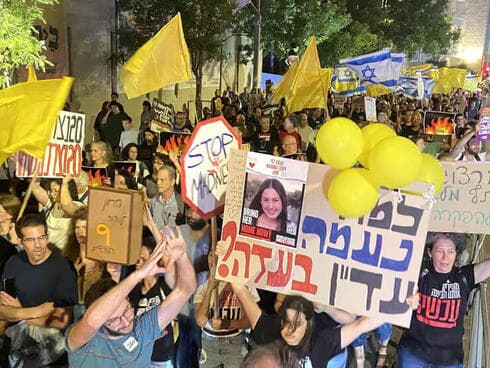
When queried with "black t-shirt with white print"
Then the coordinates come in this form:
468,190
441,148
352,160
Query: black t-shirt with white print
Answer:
164,346
436,330
325,342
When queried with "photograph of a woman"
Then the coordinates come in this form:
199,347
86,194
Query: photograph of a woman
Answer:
274,205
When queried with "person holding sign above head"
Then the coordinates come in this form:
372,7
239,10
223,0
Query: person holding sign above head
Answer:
109,334
270,202
435,337
295,325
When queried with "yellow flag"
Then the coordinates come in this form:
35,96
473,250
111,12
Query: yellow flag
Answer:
419,68
161,61
471,84
449,78
28,112
375,90
304,85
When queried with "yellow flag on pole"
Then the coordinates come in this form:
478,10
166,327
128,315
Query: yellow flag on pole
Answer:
419,68
304,85
162,60
375,90
28,112
448,79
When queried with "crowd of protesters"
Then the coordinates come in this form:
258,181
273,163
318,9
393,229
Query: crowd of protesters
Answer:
59,307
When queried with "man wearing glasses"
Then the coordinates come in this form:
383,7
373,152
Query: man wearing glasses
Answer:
38,275
109,334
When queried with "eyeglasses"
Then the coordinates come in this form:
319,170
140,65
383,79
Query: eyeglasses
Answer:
40,239
117,320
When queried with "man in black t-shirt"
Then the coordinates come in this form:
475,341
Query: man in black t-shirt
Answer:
40,275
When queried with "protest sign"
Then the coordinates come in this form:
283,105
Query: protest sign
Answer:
205,165
125,167
439,123
484,132
163,116
370,108
366,104
96,175
114,225
176,142
63,153
462,204
366,266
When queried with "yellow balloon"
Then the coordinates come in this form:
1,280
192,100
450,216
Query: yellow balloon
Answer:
353,192
432,172
372,134
339,143
395,162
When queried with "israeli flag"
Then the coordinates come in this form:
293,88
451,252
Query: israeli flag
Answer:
409,87
397,60
345,82
373,68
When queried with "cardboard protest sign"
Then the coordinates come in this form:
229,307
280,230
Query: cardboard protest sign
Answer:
366,104
96,175
125,167
176,142
370,108
63,153
366,266
484,132
205,165
114,225
163,116
462,204
439,123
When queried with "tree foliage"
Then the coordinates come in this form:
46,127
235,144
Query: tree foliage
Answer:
206,26
19,43
420,25
287,24
404,25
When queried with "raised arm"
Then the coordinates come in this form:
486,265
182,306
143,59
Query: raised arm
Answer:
39,192
252,310
186,280
103,308
459,147
482,271
66,202
352,330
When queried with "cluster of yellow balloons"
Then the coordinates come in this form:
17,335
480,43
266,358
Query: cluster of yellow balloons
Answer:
388,160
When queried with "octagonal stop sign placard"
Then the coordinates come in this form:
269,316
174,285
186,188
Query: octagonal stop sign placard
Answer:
204,164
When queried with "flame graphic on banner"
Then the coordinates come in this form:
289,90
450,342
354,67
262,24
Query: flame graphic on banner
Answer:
176,143
441,126
95,180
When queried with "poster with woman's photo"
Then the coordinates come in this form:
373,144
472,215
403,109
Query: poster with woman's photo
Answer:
271,209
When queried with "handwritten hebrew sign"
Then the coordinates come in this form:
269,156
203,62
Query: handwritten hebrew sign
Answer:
366,266
205,165
114,225
63,153
462,206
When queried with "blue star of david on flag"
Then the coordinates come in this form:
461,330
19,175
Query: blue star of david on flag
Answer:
381,67
368,73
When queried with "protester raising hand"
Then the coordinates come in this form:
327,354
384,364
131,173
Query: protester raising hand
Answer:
175,246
